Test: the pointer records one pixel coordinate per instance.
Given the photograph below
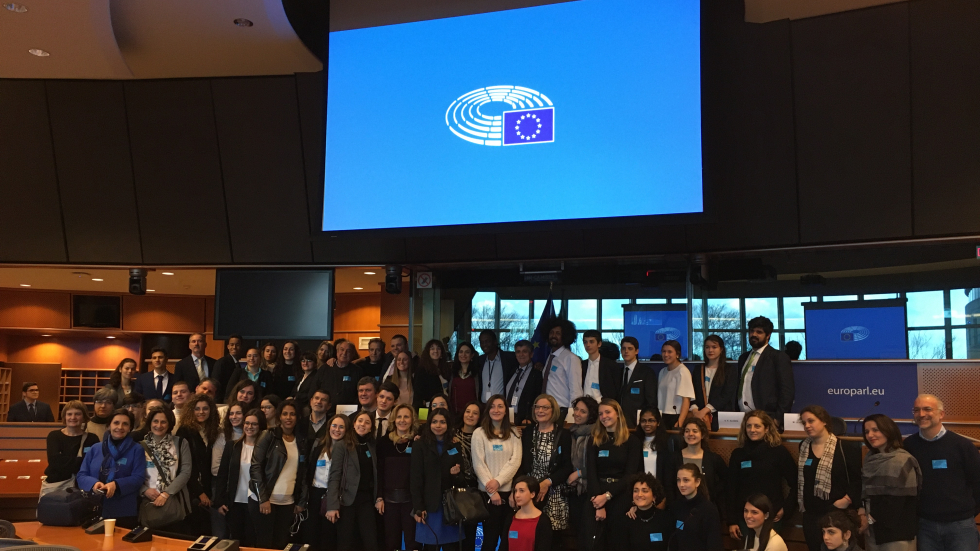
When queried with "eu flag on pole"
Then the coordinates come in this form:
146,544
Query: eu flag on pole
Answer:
529,126
540,337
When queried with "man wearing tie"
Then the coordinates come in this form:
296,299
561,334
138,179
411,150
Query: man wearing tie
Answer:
195,368
524,385
30,409
601,376
387,396
765,374
563,371
638,383
158,383
227,365
495,366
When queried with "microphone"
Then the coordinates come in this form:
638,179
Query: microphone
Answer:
746,404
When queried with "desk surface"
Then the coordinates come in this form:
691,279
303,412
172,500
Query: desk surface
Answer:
76,537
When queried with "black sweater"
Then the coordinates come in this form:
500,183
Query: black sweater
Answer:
698,526
63,458
340,383
845,479
200,482
650,530
950,477
760,468
612,461
394,466
715,477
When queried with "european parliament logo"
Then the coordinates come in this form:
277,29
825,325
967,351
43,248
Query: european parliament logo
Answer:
854,333
529,117
667,334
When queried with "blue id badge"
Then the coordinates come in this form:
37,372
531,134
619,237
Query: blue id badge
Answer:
262,384
302,458
554,368
646,453
746,464
634,391
595,386
603,453
808,462
149,464
409,450
680,525
122,461
454,451
498,447
321,462
291,378
513,534
939,464
559,450
346,378
85,450
368,452
656,537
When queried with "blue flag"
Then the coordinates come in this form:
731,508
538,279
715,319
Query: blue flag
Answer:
529,126
540,337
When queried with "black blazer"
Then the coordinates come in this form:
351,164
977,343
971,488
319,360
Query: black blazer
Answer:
560,467
264,384
641,392
185,371
146,386
531,390
268,459
610,376
721,397
18,413
222,372
510,365
773,389
226,482
430,473
200,482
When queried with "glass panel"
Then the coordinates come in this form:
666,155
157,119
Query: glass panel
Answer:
881,296
697,314
584,313
839,298
768,307
925,309
927,345
959,344
614,337
957,306
515,322
793,312
798,337
651,301
578,349
484,307
697,346
612,312
723,313
733,343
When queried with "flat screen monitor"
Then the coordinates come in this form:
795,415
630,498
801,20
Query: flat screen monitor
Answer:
655,324
100,311
274,304
571,110
856,330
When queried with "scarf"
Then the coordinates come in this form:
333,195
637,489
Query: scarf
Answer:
580,438
163,458
821,482
894,473
112,452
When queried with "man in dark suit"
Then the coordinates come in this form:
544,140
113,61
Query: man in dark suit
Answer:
226,365
197,366
30,409
601,377
524,385
158,383
494,367
765,374
638,383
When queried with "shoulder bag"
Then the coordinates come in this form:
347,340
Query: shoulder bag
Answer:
48,487
172,510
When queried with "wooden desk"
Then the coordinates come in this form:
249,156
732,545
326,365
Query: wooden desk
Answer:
76,537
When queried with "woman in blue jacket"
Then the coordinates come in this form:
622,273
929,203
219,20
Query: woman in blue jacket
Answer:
117,467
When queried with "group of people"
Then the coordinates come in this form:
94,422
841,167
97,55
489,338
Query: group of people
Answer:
261,455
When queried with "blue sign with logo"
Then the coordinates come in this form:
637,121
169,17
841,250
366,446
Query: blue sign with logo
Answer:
654,324
851,389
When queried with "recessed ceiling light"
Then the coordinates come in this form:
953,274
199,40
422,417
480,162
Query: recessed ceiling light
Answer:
110,337
151,290
368,273
96,279
16,8
38,52
242,22
358,288
45,335
24,285
167,273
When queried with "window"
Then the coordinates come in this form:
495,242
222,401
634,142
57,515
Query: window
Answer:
840,298
793,312
881,296
612,313
484,312
927,345
515,322
724,313
768,307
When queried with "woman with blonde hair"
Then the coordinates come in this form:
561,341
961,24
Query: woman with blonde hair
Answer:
612,454
67,447
759,465
403,377
394,500
546,456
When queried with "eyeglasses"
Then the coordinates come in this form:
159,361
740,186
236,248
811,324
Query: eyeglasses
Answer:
542,407
33,390
103,402
306,361
250,424
923,410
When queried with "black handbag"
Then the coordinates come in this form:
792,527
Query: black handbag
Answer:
463,505
68,507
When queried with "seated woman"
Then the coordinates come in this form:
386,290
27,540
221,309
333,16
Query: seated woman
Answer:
530,528
697,523
839,531
67,447
117,467
759,535
649,527
168,468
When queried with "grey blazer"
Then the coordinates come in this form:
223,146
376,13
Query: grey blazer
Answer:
345,474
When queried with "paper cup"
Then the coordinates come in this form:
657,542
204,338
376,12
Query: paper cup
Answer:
110,526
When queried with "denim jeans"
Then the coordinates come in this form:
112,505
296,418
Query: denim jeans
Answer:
959,535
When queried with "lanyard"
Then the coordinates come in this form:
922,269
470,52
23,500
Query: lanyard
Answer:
490,375
521,372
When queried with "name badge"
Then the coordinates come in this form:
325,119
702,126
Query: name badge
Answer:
262,384
122,461
707,379
657,537
746,464
559,450
808,462
85,450
595,386
680,525
368,452
346,378
646,453
634,391
302,458
149,465
554,368
454,451
498,447
938,463
513,534
291,378
603,453
514,400
409,450
321,462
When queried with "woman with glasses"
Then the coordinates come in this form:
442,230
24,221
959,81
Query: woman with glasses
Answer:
270,407
546,456
278,474
105,404
233,490
305,379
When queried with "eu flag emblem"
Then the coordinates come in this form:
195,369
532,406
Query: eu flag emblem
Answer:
529,126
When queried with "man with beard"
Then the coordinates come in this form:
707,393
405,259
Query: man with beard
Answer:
373,364
766,374
562,372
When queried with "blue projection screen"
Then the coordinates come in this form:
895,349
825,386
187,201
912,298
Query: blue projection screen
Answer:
869,330
581,109
653,325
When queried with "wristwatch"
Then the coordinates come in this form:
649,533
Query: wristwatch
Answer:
608,496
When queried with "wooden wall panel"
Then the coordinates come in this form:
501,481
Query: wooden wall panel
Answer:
357,312
91,143
3,348
30,212
47,375
394,314
164,314
92,352
38,309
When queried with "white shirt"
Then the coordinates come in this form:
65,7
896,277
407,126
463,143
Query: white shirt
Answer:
747,385
493,377
672,387
649,456
776,543
163,382
242,491
321,474
203,364
565,377
592,379
282,492
709,376
628,372
520,378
